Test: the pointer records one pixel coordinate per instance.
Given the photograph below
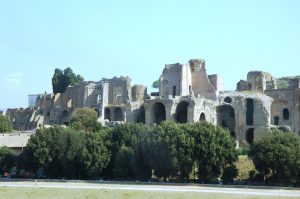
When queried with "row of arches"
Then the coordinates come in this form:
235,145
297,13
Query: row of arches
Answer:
116,116
181,115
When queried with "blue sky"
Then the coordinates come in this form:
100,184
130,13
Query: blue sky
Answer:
136,38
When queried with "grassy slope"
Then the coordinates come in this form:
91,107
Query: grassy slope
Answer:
244,165
54,193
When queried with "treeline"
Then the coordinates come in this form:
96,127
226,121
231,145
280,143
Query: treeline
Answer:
132,151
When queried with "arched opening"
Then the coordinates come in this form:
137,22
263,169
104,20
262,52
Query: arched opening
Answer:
202,117
118,114
98,112
226,117
182,112
286,114
65,113
141,115
159,112
249,111
227,100
107,114
250,135
276,120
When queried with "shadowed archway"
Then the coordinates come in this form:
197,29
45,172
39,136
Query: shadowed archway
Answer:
118,114
182,112
226,117
159,112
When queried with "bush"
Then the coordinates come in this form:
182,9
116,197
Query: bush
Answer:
8,159
276,156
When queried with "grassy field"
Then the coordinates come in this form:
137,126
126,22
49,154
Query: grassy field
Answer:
58,193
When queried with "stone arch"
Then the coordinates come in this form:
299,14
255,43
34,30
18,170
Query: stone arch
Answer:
182,112
276,120
202,117
158,112
107,114
226,117
250,135
141,115
286,114
118,114
228,100
65,113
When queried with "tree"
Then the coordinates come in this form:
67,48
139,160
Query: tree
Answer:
126,150
162,148
155,84
277,157
85,119
214,150
5,124
95,155
57,81
67,153
62,79
7,159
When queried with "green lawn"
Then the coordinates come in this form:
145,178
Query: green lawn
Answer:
57,193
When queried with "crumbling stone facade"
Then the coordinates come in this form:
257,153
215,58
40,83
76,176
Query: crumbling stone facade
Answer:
186,94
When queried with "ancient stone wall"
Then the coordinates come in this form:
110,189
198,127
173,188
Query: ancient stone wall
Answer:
200,82
170,80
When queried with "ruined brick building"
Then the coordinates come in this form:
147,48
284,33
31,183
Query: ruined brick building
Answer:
186,94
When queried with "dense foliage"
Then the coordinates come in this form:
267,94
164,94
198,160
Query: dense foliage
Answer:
132,151
5,125
8,159
62,79
67,153
155,84
85,119
277,157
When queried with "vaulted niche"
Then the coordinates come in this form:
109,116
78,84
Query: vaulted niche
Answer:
159,112
286,114
202,117
65,113
250,135
249,111
226,117
118,114
182,112
107,114
276,120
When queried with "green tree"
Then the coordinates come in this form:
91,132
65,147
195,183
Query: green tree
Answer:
155,84
7,159
162,150
57,81
95,155
85,119
214,150
5,124
62,79
277,157
67,153
124,163
126,149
